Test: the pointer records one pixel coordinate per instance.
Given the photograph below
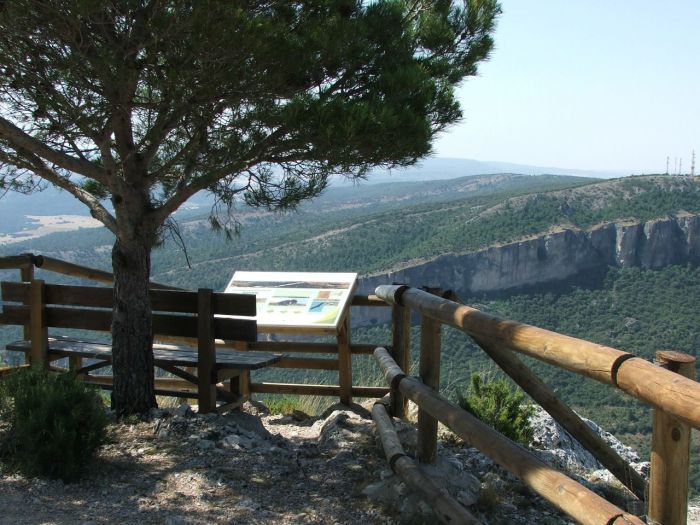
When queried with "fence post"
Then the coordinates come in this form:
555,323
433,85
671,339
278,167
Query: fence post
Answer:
670,453
206,352
26,275
430,376
38,331
401,352
345,361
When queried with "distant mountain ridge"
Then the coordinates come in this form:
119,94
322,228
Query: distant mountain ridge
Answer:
436,168
14,207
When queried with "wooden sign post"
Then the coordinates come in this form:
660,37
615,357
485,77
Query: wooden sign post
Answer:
304,303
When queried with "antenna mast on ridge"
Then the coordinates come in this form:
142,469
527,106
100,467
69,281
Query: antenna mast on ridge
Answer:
667,159
692,165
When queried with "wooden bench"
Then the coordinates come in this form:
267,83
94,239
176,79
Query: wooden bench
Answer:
203,371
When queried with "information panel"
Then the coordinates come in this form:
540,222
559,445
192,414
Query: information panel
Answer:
297,301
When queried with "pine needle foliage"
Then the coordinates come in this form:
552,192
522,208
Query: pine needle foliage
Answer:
499,406
260,102
54,424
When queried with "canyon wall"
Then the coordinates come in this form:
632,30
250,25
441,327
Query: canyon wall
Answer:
555,256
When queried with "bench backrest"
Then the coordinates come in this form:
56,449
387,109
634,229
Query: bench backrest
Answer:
175,313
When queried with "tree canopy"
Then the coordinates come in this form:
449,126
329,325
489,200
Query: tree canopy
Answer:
184,96
134,106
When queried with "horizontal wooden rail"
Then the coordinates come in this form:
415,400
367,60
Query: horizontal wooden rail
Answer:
15,262
84,272
165,386
310,348
316,390
308,363
368,300
285,347
567,418
639,378
564,493
66,268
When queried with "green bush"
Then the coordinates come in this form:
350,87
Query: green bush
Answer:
53,424
499,407
283,405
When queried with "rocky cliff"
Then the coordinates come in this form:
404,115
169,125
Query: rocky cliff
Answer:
555,256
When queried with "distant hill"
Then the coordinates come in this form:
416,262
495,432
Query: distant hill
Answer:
434,168
52,201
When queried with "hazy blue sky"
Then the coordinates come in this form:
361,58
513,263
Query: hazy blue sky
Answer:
589,84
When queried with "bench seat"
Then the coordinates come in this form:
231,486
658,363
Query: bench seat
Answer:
163,354
200,318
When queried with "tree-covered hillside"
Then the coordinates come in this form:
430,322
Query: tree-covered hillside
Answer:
378,227
320,236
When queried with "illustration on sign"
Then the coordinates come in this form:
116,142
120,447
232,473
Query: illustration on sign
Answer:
296,299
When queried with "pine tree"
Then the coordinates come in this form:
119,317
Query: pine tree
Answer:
134,106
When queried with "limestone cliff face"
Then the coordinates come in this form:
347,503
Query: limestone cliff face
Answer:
556,256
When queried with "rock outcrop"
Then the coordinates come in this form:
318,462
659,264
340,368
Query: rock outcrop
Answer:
555,256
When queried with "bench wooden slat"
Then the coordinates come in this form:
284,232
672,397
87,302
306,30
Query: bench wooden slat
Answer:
234,304
222,303
87,296
102,297
235,329
164,324
13,314
59,317
165,354
15,292
56,317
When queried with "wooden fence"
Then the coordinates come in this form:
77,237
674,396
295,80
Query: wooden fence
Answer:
668,386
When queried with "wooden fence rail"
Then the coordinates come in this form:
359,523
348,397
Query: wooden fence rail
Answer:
671,392
669,388
446,508
563,492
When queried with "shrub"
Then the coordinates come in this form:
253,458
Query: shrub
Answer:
283,405
54,424
499,407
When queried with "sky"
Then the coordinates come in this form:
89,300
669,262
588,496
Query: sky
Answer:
586,84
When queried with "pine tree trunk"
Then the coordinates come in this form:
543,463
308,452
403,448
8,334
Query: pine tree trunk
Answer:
132,333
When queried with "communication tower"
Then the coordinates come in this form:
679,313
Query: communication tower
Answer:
692,165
